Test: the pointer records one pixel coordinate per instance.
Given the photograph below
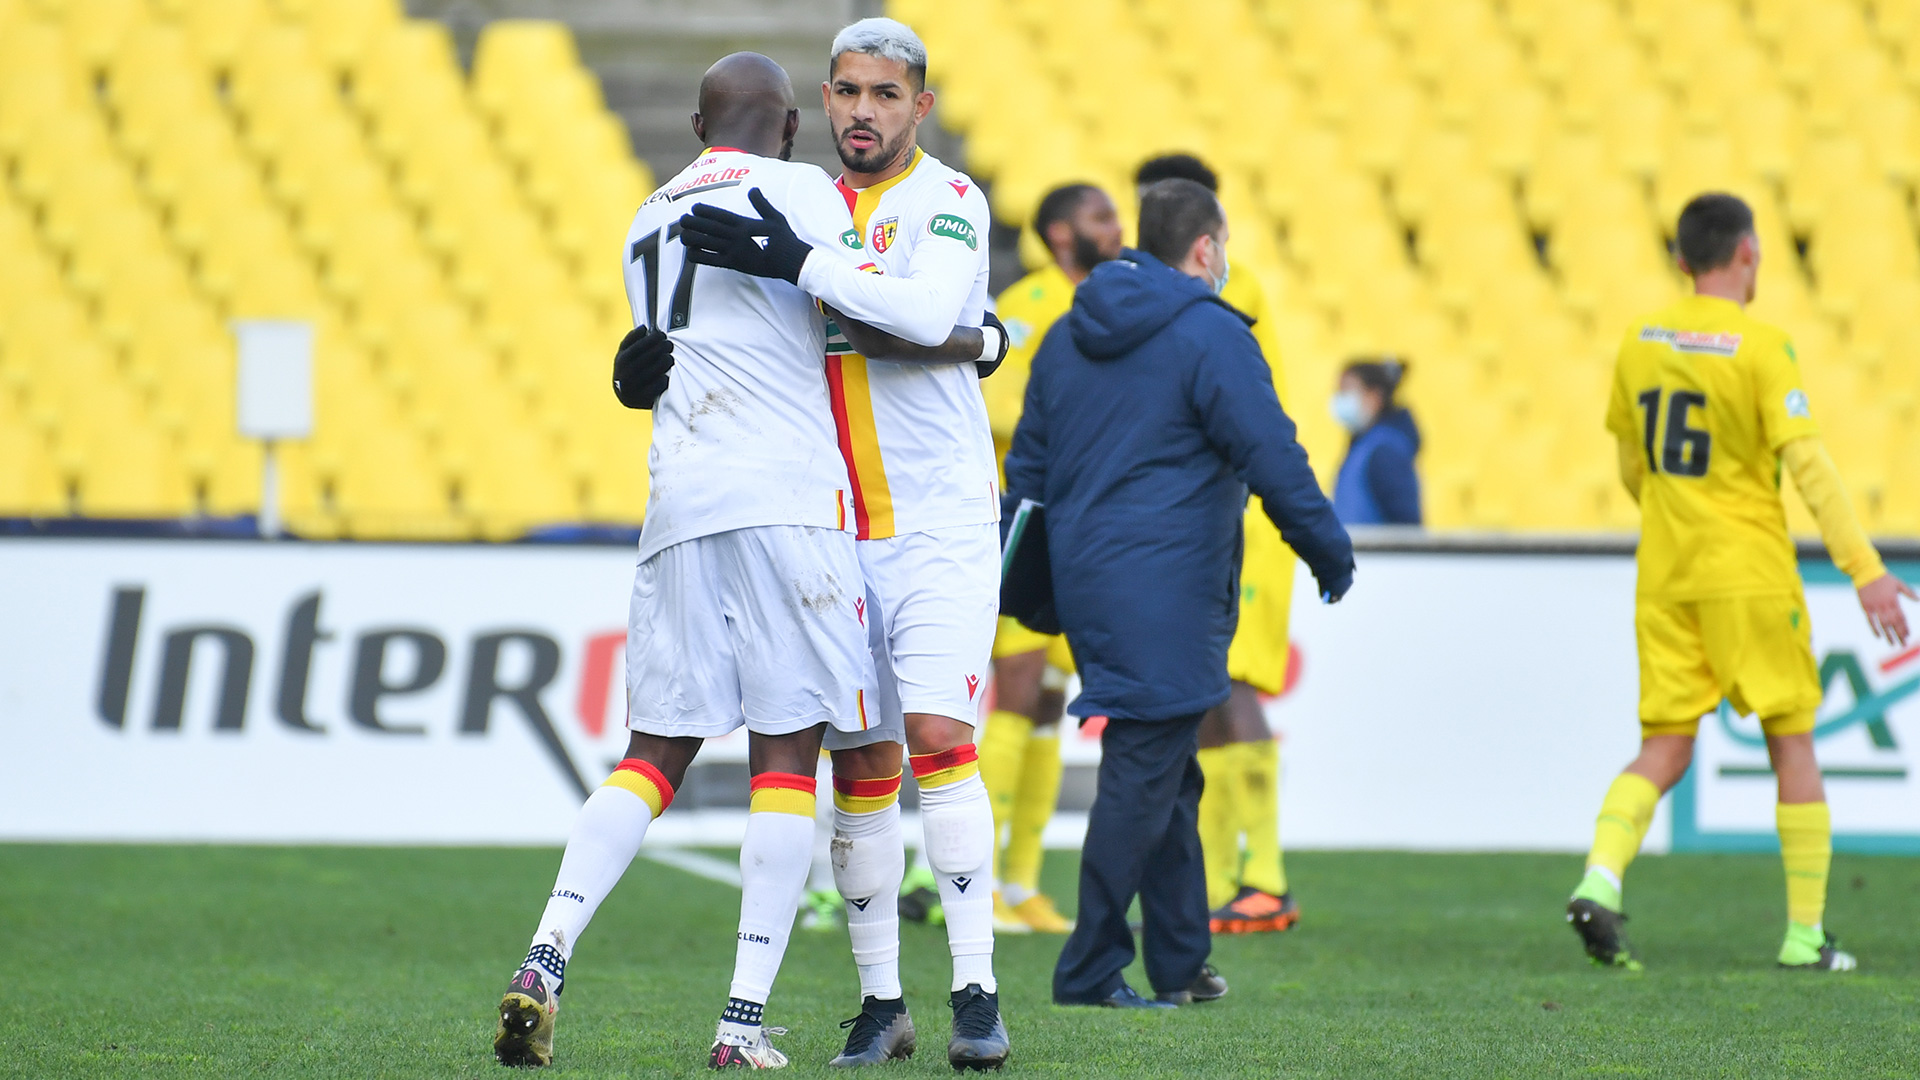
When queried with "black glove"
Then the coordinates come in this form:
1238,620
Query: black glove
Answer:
1335,585
984,368
716,237
640,367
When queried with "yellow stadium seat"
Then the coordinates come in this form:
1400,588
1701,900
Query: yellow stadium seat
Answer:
94,27
1570,161
30,485
1699,161
343,30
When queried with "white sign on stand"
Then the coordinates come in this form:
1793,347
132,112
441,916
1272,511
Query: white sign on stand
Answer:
275,397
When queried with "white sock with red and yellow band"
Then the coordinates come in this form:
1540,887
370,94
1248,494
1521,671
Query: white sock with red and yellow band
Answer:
958,820
869,861
606,836
774,858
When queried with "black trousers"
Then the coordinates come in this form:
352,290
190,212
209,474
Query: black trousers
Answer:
1143,838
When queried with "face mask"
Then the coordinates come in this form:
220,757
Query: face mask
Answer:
1349,410
1220,286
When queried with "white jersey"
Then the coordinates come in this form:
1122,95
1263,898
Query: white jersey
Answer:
744,435
915,435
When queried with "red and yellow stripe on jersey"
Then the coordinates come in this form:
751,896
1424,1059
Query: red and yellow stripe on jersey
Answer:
852,396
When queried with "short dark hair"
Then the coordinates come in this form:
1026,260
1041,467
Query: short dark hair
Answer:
1176,167
1381,374
1710,229
1060,204
1173,214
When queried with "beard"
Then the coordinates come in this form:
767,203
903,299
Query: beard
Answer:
1086,253
869,161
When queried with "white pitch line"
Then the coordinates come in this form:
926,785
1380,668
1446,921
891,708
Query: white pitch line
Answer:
702,866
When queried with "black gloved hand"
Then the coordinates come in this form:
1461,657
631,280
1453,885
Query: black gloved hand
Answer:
716,237
984,368
640,367
1335,584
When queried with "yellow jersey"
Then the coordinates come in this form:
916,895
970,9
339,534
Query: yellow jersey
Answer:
1708,395
1028,308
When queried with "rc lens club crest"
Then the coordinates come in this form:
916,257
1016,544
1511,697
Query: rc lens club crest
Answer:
883,234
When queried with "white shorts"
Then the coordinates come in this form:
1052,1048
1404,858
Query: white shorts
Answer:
762,627
935,600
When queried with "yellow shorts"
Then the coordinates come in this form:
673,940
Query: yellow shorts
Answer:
1754,651
1012,639
1258,655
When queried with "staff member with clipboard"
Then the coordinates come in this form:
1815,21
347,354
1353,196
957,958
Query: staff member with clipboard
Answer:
1149,415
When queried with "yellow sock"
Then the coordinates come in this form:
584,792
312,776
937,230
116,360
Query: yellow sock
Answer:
1806,849
1624,816
1032,808
1002,746
1219,826
1257,771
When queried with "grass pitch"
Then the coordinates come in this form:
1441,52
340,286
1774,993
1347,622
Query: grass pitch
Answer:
316,962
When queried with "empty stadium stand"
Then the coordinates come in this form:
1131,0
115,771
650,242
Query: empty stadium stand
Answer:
1481,185
1485,186
176,164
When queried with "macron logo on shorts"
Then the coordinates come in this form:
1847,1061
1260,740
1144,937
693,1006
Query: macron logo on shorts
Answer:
973,684
860,609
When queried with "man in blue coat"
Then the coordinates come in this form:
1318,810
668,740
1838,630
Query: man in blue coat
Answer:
1149,414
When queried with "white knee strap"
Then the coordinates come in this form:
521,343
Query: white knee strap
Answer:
958,825
867,854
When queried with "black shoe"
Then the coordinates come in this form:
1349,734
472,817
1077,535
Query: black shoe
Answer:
979,1035
882,1032
1207,986
1603,931
920,904
1124,998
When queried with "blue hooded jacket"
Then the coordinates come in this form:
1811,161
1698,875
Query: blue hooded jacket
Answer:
1377,484
1149,413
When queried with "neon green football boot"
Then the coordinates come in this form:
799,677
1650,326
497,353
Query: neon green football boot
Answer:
1811,948
1594,913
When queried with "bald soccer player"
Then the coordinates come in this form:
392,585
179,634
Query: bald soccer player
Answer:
1020,749
1247,888
747,606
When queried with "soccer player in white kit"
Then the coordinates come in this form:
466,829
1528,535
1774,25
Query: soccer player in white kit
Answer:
926,506
748,605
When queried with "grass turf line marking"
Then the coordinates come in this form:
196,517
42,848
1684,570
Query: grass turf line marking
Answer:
701,866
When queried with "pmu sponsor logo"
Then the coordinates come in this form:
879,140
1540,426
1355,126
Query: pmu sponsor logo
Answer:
954,227
499,675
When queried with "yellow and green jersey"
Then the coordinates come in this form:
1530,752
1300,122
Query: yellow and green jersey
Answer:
1029,309
1709,395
